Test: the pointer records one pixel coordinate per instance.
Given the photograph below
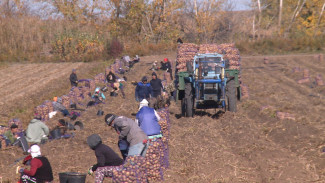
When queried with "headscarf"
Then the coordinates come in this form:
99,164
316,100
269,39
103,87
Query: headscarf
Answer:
35,151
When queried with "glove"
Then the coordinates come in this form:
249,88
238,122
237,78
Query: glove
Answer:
21,170
90,170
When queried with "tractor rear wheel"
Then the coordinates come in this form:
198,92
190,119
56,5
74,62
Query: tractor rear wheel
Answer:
188,100
183,106
231,95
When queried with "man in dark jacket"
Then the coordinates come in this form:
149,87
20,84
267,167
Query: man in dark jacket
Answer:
156,85
73,78
167,66
127,128
143,90
107,159
40,168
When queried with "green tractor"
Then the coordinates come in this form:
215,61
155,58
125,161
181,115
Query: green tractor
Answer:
208,83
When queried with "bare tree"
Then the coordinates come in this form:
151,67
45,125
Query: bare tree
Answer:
296,13
280,15
320,16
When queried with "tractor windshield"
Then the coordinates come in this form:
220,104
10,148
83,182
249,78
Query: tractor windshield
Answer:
211,66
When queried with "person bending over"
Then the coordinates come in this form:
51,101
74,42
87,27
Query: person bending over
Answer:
40,168
107,159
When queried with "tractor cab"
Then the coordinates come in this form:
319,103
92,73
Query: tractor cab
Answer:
209,66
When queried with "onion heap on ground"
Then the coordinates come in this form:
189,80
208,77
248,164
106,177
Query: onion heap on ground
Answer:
49,105
65,101
319,80
133,170
43,112
100,78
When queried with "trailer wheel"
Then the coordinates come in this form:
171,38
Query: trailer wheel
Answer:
231,96
188,100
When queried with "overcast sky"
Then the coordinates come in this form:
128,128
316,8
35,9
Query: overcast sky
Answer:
241,4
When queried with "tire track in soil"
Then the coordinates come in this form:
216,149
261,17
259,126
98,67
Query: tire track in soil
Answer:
303,136
35,77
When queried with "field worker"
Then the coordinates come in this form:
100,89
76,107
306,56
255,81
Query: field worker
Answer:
154,66
61,130
143,90
40,168
147,118
167,66
98,96
114,83
74,78
58,106
15,139
156,85
37,131
107,159
127,128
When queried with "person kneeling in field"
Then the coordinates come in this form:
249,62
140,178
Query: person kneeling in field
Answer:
127,128
61,130
40,168
107,159
14,138
37,131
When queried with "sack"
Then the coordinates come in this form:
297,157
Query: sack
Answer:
113,94
91,103
74,106
100,113
104,89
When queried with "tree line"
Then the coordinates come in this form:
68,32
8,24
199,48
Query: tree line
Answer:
84,30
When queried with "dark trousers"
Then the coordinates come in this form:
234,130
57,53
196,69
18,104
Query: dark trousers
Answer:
124,147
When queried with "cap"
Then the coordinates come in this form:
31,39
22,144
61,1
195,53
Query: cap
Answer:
13,126
143,103
35,151
94,140
154,74
97,90
62,122
109,118
165,59
144,78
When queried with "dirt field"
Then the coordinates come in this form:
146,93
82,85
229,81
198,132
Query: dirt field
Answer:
252,145
24,86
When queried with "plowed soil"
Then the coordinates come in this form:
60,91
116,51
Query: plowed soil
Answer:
251,145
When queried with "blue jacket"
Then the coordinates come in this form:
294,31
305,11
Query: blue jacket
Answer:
143,91
148,121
